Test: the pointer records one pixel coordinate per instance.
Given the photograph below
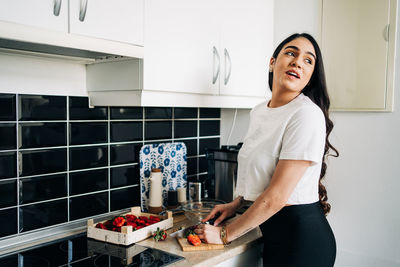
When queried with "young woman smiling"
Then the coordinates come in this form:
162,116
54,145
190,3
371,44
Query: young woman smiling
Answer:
282,162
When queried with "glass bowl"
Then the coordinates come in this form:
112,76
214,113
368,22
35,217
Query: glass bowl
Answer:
198,210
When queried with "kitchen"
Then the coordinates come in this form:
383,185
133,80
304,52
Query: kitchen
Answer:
361,183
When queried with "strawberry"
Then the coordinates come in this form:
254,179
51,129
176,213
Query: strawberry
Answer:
160,235
101,226
118,221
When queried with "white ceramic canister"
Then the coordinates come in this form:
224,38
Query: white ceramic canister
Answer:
156,198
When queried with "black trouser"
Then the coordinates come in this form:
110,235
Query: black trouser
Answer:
298,236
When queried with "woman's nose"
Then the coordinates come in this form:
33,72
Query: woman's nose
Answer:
295,63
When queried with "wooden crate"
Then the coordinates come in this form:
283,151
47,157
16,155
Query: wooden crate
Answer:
127,236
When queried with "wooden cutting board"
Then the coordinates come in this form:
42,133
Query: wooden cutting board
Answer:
186,246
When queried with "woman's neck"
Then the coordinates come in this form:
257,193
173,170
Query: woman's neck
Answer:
280,99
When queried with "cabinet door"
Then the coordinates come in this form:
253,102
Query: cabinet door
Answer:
179,40
48,14
117,20
246,44
355,46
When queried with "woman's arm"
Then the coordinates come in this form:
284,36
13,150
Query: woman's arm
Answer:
285,178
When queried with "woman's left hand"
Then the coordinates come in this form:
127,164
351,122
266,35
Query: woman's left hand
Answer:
209,233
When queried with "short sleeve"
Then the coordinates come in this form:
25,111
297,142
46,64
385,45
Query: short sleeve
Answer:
304,136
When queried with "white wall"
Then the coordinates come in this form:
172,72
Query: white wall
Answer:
363,183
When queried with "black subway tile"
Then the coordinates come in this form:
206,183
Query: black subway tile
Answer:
124,176
88,181
89,205
7,107
38,134
126,131
203,164
8,165
8,193
43,161
191,146
79,110
8,135
183,113
121,113
88,133
125,198
43,214
126,153
40,107
9,261
209,128
43,188
191,166
158,113
8,222
208,143
185,129
88,157
158,130
210,113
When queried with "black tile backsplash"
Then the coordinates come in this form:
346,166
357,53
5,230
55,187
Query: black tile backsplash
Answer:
88,133
43,161
125,198
8,222
89,205
124,176
158,130
209,128
39,134
158,113
37,107
79,110
83,182
122,113
43,214
8,193
126,153
8,165
7,107
62,161
126,131
185,129
8,139
87,157
42,188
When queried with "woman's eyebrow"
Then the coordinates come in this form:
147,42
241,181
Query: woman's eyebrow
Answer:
297,49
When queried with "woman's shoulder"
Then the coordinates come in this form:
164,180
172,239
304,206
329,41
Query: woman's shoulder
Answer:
305,108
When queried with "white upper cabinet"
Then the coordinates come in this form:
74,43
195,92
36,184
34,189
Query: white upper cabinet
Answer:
116,20
46,14
179,39
216,47
246,47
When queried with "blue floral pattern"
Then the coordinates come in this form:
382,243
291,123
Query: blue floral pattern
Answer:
171,159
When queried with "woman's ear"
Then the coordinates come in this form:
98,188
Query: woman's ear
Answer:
271,64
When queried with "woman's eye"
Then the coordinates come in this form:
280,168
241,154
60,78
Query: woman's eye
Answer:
308,61
290,53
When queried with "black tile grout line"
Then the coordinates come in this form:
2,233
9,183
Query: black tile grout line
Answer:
71,196
104,121
108,161
18,159
68,168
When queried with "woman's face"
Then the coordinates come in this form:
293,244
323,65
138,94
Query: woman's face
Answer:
294,65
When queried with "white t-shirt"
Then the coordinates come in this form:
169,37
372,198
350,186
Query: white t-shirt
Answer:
295,131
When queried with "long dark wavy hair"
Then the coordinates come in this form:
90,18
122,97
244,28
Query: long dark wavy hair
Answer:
316,90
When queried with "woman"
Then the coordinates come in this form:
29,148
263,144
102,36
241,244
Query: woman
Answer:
282,162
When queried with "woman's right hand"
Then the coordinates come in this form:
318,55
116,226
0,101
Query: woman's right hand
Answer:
225,211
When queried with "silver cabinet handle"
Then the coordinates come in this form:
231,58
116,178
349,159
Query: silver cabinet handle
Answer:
82,10
56,7
215,55
386,32
227,74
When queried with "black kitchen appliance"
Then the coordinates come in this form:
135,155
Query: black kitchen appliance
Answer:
79,251
222,172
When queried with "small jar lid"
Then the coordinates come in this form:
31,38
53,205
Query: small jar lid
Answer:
155,170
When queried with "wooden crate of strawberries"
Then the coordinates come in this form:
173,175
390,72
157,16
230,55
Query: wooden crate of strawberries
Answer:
128,228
